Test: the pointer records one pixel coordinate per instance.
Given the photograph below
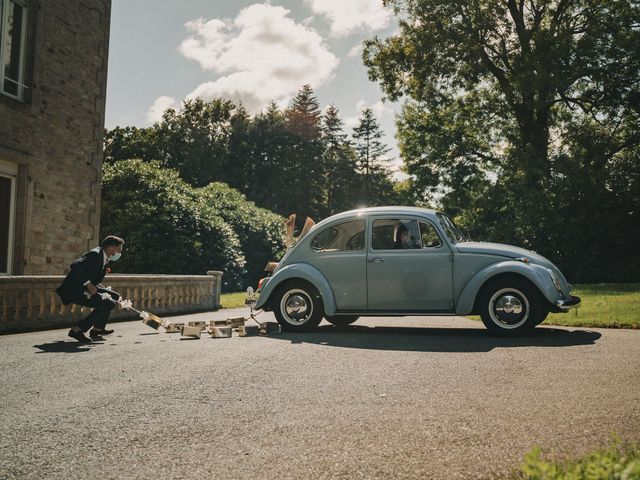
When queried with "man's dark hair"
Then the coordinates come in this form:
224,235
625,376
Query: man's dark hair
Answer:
112,241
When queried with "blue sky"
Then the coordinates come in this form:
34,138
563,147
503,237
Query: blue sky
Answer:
162,52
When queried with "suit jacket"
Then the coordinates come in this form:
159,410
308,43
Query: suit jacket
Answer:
89,267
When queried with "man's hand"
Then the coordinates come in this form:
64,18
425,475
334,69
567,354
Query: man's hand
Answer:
90,287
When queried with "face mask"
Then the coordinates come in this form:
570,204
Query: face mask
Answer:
115,256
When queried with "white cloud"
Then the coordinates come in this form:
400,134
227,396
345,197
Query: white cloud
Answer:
349,16
355,51
262,55
379,109
162,103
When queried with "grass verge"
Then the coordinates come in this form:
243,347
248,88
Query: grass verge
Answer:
607,305
618,461
232,300
604,305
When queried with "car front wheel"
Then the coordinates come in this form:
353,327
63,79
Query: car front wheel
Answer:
298,306
510,307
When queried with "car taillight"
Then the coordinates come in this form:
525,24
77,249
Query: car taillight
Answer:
260,282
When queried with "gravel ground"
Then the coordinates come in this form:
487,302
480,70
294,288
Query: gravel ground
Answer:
430,397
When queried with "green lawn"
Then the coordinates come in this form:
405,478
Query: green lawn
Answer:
233,300
610,305
604,305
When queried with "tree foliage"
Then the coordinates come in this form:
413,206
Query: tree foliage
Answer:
292,160
259,231
339,158
523,121
171,227
372,160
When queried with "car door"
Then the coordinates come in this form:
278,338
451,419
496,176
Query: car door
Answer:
414,276
338,251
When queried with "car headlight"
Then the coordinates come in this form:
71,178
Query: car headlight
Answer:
554,279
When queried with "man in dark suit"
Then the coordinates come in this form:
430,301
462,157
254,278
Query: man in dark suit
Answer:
82,287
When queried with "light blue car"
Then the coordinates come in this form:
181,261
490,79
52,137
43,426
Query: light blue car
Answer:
396,261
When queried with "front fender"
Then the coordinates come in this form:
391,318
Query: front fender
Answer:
302,271
536,274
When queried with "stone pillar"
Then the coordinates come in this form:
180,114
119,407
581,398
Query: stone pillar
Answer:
218,285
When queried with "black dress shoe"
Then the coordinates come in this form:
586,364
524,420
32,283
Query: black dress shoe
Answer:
98,332
79,336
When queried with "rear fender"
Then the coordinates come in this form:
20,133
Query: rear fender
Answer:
302,271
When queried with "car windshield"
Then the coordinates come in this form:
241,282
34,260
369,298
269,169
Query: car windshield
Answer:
454,234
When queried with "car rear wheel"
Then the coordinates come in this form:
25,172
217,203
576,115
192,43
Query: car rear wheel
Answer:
510,306
298,306
341,320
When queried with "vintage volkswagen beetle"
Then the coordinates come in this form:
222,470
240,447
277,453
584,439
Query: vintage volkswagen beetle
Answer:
396,261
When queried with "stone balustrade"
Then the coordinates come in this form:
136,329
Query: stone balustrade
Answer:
30,302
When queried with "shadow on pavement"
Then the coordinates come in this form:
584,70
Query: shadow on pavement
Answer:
436,339
60,346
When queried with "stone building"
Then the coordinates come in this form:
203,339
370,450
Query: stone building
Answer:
53,60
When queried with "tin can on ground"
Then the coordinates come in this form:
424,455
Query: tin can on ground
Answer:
235,322
191,331
198,323
248,330
217,323
173,327
221,332
152,322
269,328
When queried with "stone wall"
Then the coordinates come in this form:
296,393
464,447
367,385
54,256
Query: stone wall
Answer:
30,303
55,134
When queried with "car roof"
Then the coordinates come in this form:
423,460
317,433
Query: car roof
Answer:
393,210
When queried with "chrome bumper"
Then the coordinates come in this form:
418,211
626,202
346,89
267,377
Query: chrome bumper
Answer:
565,305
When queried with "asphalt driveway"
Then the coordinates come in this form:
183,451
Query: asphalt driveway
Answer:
387,398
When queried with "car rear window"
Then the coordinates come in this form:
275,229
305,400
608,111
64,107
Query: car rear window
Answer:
341,237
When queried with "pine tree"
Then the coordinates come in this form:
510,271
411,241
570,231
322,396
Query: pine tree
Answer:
304,170
371,158
339,161
271,143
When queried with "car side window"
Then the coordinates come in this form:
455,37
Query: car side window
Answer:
429,236
341,237
395,234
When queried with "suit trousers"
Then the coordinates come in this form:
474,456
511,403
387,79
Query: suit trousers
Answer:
101,309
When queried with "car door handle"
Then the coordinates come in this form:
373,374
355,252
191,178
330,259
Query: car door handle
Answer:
376,259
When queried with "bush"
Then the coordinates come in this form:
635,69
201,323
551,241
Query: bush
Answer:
165,225
260,231
618,461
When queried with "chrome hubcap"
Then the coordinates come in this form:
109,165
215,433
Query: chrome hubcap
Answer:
509,308
296,306
509,304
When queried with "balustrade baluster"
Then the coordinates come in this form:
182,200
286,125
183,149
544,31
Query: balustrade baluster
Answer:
29,302
5,305
42,300
17,306
53,299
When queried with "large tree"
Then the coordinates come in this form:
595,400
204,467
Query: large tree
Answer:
339,159
194,139
518,60
515,109
377,188
304,171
